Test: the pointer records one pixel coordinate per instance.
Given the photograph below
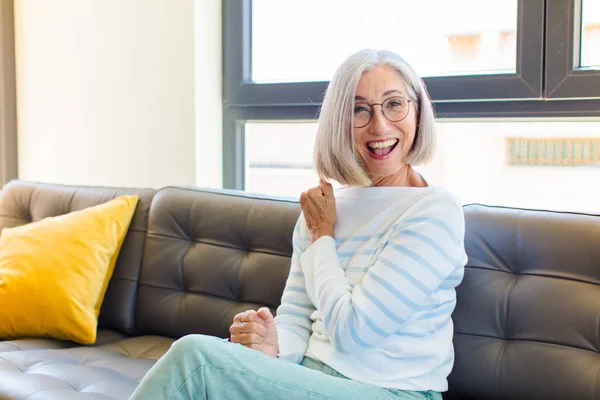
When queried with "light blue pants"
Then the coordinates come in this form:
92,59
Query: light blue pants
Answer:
205,367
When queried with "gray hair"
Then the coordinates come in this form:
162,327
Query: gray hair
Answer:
334,152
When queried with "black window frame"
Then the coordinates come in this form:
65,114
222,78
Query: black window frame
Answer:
564,77
512,95
241,91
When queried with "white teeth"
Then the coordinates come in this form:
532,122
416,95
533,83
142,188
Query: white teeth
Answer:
381,145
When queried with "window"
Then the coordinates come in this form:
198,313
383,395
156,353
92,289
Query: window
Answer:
572,50
279,157
477,160
521,75
285,47
590,33
276,54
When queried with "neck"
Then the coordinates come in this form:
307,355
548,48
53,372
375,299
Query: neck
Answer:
406,176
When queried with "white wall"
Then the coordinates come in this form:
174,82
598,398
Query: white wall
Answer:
106,91
209,99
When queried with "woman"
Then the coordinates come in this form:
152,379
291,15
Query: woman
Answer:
366,312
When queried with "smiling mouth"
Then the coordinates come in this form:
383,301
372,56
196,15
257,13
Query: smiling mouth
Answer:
382,148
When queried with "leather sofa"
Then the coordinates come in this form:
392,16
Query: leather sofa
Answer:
527,321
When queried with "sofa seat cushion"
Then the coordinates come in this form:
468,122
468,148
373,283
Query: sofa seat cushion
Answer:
109,371
103,336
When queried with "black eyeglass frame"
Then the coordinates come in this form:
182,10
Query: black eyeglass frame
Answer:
408,101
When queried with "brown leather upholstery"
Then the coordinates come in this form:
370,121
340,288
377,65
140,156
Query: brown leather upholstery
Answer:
103,337
209,256
110,371
527,320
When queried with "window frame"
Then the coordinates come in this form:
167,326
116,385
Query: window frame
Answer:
241,91
564,78
522,94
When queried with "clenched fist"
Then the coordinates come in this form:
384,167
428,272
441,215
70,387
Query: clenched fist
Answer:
318,207
256,330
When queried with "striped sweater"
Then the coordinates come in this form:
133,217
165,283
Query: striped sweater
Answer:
375,301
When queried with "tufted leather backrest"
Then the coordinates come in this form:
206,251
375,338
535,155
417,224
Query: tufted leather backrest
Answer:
23,202
527,322
210,255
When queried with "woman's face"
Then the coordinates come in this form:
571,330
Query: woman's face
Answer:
383,144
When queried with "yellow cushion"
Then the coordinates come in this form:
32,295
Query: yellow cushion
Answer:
54,272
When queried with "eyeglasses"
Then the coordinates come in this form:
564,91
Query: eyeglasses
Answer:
394,109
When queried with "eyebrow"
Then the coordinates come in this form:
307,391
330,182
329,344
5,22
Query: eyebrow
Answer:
384,94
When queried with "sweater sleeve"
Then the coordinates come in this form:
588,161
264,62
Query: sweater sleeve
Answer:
423,253
293,315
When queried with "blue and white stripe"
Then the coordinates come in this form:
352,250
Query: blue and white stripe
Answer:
379,286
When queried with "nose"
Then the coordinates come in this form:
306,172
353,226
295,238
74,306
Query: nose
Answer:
379,123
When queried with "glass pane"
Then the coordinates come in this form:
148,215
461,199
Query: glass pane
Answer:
532,164
590,33
279,158
306,40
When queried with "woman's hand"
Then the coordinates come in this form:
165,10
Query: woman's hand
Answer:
256,330
318,206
